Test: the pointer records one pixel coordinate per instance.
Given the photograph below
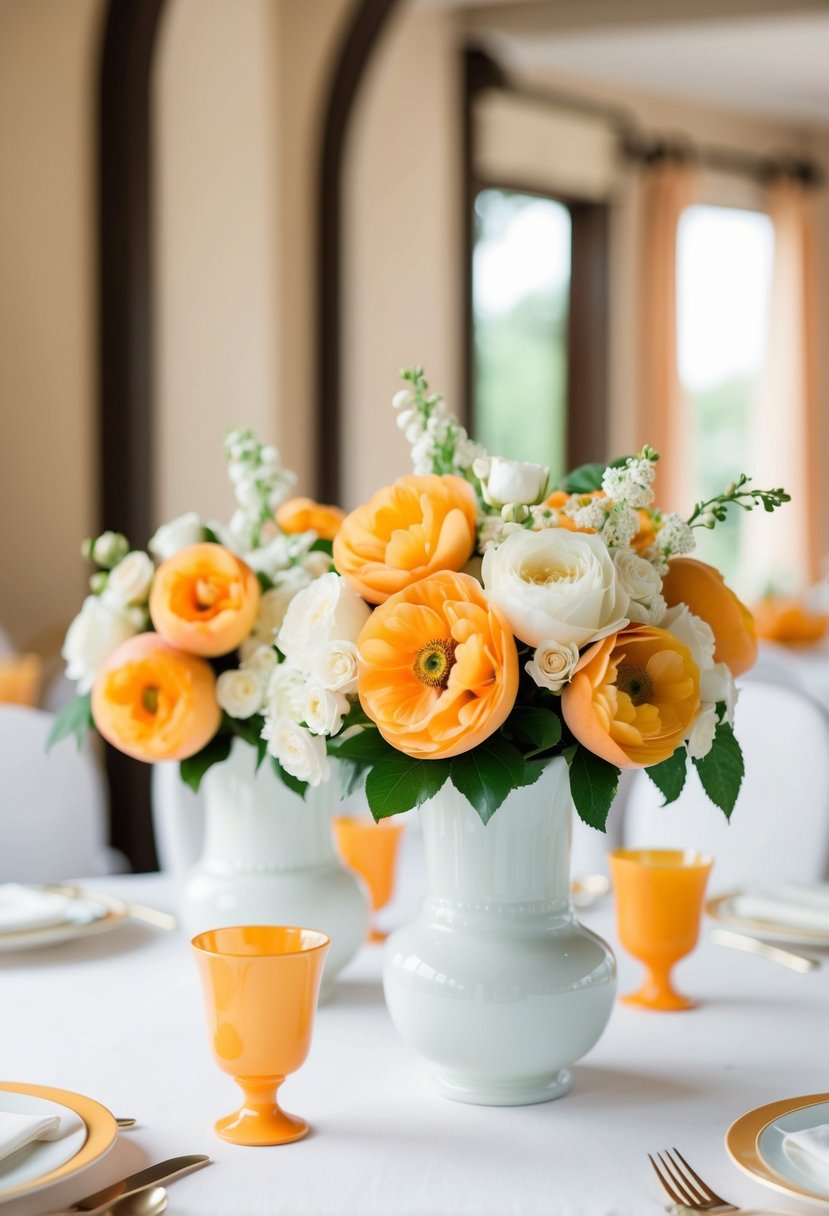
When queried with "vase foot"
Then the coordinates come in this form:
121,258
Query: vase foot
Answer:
511,1091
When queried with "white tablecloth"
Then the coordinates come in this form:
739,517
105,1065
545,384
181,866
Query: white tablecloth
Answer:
120,1018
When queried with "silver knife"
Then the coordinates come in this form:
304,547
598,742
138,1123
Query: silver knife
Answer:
154,1175
755,945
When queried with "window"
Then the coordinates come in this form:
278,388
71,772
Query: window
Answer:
724,267
520,300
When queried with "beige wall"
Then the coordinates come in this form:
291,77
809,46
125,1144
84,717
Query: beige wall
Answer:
47,312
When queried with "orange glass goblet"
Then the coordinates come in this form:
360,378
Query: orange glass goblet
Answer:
370,849
659,894
261,984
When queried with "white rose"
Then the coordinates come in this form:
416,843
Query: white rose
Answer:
716,683
299,752
335,667
240,692
129,582
286,693
327,611
324,710
316,564
97,630
510,481
644,586
694,633
273,604
260,660
555,584
553,664
178,534
703,728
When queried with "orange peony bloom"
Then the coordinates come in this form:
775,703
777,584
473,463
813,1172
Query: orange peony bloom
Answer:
785,619
204,600
702,588
439,667
416,527
646,535
633,697
305,515
155,702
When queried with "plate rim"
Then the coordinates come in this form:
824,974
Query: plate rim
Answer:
743,1136
752,924
116,912
101,1127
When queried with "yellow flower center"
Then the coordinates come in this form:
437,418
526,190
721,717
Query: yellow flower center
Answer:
636,682
434,662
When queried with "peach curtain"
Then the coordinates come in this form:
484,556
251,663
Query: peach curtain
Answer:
667,189
782,552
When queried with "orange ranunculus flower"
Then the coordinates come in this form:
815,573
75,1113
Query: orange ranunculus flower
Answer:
438,667
155,702
703,589
416,527
634,697
646,535
780,618
305,515
204,599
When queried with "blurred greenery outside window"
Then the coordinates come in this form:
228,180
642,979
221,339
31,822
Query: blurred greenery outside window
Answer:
520,301
724,269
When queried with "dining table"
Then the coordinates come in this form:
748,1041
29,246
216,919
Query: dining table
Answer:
119,1017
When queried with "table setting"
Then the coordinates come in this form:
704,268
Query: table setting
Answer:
391,717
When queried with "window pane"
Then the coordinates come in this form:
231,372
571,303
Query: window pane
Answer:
521,283
724,265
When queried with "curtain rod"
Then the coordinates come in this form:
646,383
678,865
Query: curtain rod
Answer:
636,145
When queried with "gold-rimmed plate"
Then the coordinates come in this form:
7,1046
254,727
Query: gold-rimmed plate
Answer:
722,909
755,1143
42,1163
105,912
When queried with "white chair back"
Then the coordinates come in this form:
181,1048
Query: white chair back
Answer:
779,829
52,807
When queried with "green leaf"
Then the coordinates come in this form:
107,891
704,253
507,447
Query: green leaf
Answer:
209,535
585,479
292,783
356,716
722,770
538,729
487,774
593,784
669,776
352,776
193,769
74,719
368,747
322,546
532,771
398,782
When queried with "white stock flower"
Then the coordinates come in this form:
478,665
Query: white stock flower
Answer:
553,664
98,630
620,526
178,534
272,558
335,667
513,481
129,583
273,604
324,710
555,584
316,564
327,611
240,692
586,514
675,537
632,483
299,752
644,586
494,531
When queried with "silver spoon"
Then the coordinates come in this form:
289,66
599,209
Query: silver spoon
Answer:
146,1203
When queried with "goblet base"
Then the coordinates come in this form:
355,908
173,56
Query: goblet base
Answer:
264,1126
377,937
658,1000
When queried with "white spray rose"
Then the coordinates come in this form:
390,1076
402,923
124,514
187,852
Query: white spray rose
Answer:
513,481
316,564
107,549
129,583
97,630
273,604
240,693
324,710
553,664
335,667
178,534
260,660
329,610
644,586
299,752
286,693
555,584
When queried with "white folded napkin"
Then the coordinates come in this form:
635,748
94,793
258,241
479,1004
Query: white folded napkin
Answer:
790,904
19,1130
809,1148
30,908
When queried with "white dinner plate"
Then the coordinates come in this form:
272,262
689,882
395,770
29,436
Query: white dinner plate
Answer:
97,913
723,910
755,1144
46,1162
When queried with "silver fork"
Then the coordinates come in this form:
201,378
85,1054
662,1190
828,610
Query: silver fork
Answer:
688,1191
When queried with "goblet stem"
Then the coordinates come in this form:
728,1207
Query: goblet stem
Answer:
260,1119
658,992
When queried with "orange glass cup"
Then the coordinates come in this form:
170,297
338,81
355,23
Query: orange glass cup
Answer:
370,849
659,894
261,984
